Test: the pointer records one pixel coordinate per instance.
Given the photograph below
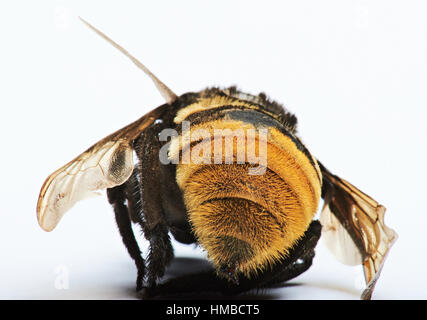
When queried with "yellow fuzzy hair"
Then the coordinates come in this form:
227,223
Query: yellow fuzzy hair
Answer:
270,212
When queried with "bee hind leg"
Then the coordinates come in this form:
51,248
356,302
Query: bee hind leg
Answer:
299,259
160,254
150,214
154,229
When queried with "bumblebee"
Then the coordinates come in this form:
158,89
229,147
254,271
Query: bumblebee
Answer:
225,170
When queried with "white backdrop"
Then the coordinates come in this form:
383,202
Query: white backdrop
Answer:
354,72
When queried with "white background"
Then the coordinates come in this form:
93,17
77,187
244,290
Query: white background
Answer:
354,72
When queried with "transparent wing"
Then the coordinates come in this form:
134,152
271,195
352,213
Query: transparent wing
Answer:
354,227
107,164
338,240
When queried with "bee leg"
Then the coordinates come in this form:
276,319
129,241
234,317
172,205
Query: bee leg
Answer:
160,254
299,260
134,203
291,271
156,231
117,197
139,201
161,251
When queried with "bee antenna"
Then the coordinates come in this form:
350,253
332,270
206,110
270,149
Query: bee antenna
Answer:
167,93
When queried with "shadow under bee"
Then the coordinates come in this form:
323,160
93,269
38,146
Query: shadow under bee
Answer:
200,275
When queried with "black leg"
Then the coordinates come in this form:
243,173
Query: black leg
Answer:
117,197
298,261
150,215
144,207
160,255
161,251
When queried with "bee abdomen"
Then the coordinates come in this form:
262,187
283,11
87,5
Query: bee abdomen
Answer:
235,231
264,212
225,200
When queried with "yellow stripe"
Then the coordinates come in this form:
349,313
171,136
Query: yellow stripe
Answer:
283,157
